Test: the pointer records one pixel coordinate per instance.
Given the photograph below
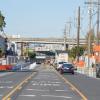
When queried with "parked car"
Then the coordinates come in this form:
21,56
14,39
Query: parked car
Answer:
67,68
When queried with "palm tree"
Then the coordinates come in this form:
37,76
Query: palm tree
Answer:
2,22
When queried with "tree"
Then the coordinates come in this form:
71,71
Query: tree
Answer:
73,51
1,52
2,22
32,55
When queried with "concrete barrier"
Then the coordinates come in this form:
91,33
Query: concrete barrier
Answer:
32,66
87,71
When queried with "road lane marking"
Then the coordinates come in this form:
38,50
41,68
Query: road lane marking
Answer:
66,97
36,90
1,95
45,84
47,90
27,95
62,90
17,87
73,87
8,87
5,81
53,82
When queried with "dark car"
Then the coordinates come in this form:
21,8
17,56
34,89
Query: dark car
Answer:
98,70
67,68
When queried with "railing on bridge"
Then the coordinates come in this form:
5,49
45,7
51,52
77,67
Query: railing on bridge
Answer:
48,40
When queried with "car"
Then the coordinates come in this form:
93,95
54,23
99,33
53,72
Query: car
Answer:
17,67
59,64
67,68
98,70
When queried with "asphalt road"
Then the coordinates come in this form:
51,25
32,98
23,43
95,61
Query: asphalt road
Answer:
89,86
48,85
8,80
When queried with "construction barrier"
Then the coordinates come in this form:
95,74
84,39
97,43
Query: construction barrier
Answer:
5,67
87,71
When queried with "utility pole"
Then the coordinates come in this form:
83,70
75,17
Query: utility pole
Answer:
78,34
65,38
69,26
66,33
98,15
97,3
89,32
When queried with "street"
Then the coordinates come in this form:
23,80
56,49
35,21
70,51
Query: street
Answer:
8,80
89,86
47,85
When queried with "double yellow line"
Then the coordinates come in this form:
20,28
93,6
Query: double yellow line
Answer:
72,86
18,87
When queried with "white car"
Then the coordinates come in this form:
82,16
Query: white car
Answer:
59,65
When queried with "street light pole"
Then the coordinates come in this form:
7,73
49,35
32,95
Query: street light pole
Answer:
78,34
98,15
65,38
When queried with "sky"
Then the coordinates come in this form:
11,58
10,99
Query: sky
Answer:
40,18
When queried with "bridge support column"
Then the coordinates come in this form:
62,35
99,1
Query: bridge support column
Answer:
21,48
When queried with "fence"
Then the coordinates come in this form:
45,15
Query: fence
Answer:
87,71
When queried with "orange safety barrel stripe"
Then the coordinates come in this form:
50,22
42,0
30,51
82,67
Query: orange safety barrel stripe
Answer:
96,48
80,63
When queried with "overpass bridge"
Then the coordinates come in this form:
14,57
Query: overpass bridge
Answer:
50,44
69,41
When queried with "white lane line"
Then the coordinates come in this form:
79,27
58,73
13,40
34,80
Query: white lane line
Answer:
1,95
66,97
27,95
61,90
5,81
37,84
8,87
53,79
36,90
46,90
54,82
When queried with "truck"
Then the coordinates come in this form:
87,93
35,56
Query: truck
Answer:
61,56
